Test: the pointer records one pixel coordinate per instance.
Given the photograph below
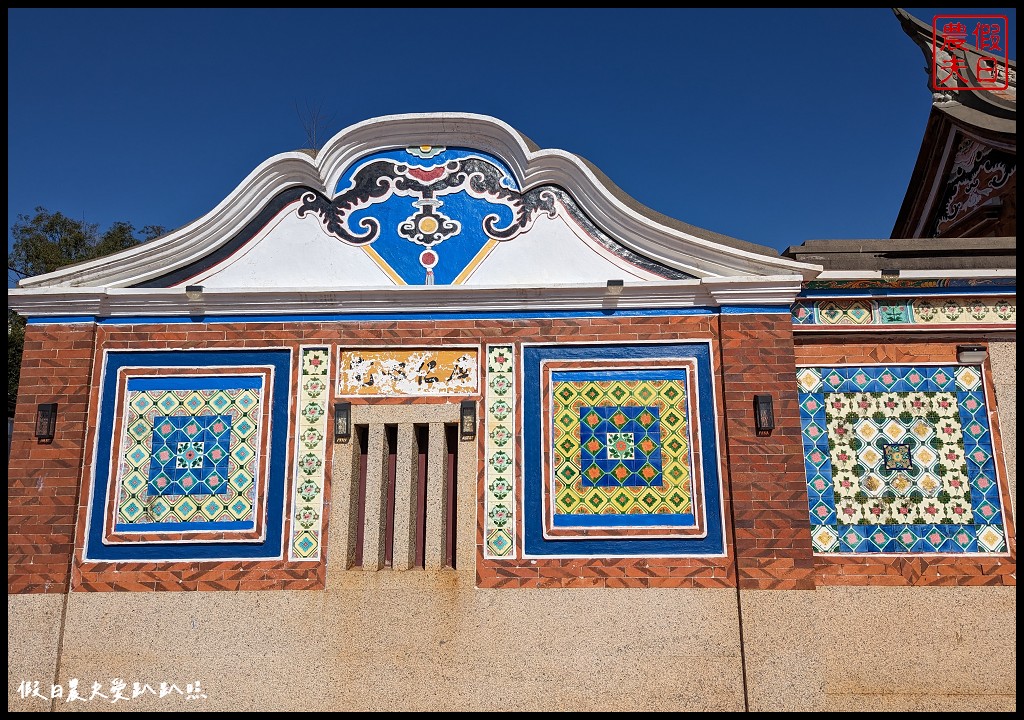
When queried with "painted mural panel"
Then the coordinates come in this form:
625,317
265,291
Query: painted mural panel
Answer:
431,215
978,174
428,215
384,372
899,459
190,456
620,452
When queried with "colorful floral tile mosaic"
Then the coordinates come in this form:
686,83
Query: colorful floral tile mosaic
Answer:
899,459
189,461
621,450
499,491
310,450
929,310
190,453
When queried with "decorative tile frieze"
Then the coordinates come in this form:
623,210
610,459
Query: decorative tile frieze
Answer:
620,452
499,457
310,451
928,311
190,456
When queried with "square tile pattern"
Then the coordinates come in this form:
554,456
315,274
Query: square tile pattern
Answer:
899,459
190,454
620,451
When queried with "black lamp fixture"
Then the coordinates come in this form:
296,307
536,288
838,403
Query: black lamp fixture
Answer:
46,421
764,415
194,292
467,419
615,286
342,421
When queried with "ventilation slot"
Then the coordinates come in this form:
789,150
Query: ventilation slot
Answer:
422,439
363,438
450,478
406,492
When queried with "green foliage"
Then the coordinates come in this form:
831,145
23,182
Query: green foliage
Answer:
48,241
15,342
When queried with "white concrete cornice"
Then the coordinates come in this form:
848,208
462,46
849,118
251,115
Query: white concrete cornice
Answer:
175,302
753,290
685,251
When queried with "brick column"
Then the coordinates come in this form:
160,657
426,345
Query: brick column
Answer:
766,474
43,478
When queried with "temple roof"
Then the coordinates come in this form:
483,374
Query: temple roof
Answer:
908,254
992,110
969,123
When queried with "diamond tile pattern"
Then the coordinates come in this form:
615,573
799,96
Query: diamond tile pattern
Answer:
620,447
189,455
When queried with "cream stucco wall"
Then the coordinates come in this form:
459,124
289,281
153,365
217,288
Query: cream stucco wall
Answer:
420,640
406,641
881,648
1003,358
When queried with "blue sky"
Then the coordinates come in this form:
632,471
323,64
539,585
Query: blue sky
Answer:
773,126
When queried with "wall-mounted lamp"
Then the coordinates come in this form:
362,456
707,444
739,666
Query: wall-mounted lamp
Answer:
46,421
467,420
889,275
342,421
194,292
764,415
971,354
615,287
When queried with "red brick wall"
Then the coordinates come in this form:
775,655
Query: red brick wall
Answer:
764,497
639,572
43,479
766,474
